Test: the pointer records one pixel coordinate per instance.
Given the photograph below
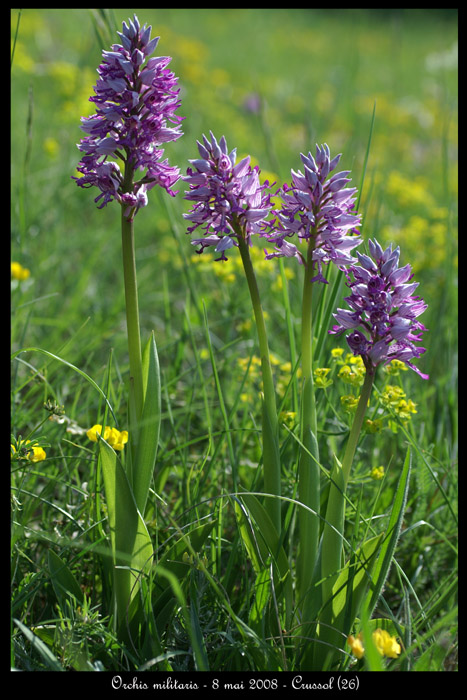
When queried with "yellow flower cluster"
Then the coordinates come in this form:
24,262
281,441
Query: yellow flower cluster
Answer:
36,454
336,354
394,367
115,438
322,381
384,642
377,473
352,369
353,374
18,272
349,403
288,418
391,395
394,397
373,426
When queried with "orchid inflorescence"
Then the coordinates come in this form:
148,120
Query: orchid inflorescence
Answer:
134,100
317,206
226,195
383,319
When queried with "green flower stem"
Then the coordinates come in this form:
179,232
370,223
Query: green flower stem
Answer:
332,540
308,473
333,531
358,423
309,408
132,310
270,433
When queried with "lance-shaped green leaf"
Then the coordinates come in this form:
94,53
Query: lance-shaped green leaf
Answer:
271,462
331,554
391,537
148,438
308,518
131,544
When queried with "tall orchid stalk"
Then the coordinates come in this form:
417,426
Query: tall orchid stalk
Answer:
318,212
229,206
134,97
384,326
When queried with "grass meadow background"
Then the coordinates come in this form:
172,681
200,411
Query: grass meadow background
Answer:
275,83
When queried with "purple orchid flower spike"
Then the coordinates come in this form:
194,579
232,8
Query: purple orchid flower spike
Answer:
320,206
226,195
135,99
383,319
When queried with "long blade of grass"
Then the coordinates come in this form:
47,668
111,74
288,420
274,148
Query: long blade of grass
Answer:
381,569
148,439
267,538
220,395
14,40
333,295
365,161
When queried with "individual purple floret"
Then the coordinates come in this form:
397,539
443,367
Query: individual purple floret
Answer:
320,206
134,101
227,197
383,310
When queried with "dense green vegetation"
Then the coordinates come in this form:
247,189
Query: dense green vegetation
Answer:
274,83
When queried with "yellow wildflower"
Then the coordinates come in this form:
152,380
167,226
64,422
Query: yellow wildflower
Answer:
373,426
252,367
36,454
392,395
354,375
288,418
114,437
351,359
377,473
321,379
394,367
118,439
385,644
336,353
274,359
405,408
356,645
93,432
18,272
349,402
